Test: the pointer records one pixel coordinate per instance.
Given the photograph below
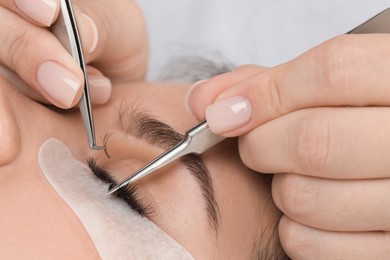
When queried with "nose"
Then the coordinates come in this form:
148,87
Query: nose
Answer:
9,130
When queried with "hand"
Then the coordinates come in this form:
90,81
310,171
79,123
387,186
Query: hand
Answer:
114,43
323,121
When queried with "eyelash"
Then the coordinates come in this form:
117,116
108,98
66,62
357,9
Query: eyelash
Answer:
129,194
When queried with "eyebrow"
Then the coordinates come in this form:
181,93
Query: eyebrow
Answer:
141,124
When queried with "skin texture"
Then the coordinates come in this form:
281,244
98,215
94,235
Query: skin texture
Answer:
321,122
246,212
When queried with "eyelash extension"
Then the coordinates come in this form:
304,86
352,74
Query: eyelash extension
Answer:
129,194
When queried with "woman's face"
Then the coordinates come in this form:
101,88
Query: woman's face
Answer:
230,215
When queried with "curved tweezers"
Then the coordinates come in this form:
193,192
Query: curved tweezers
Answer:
200,138
197,140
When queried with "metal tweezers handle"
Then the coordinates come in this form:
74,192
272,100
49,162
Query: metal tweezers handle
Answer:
197,140
380,23
65,29
200,138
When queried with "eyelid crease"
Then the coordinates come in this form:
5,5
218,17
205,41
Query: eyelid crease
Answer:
129,194
138,122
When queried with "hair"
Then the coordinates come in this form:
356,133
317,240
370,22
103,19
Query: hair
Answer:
266,245
191,69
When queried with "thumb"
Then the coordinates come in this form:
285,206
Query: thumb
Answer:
212,99
344,71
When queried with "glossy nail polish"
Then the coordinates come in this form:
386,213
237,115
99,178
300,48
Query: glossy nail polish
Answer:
58,82
41,11
228,114
100,88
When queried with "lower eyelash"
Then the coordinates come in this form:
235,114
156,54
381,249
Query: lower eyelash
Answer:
129,194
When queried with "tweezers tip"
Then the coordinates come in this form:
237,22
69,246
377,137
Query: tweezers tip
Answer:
115,188
124,183
112,190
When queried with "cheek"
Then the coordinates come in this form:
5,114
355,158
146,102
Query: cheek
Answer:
176,202
35,222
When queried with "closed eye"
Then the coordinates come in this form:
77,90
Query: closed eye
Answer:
138,123
129,194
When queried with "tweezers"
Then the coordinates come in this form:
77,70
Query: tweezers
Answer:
197,140
200,138
65,29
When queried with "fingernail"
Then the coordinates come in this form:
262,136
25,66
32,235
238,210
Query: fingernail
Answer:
187,103
90,33
228,114
42,11
58,82
100,88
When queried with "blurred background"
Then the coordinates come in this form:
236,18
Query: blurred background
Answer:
265,32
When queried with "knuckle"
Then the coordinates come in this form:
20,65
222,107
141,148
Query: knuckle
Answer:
269,92
246,152
293,239
250,67
276,98
18,42
340,59
298,196
309,143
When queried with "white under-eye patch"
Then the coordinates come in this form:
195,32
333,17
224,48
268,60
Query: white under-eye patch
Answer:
117,231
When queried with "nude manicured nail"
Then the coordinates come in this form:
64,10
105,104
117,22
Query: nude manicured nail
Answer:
90,34
100,88
228,114
188,95
41,11
58,82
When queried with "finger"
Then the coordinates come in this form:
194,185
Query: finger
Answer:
114,37
99,85
345,71
335,205
302,242
51,71
336,143
39,12
205,96
17,82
